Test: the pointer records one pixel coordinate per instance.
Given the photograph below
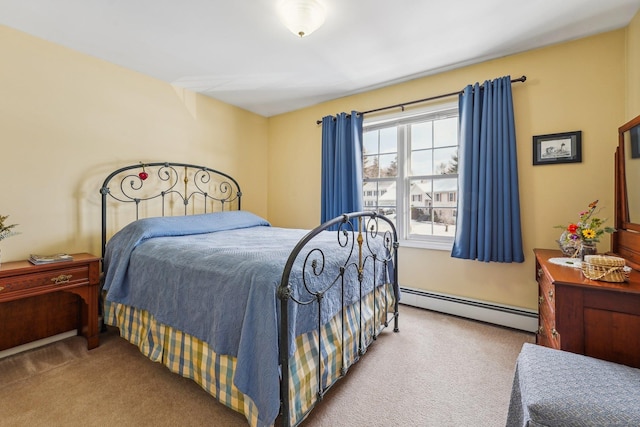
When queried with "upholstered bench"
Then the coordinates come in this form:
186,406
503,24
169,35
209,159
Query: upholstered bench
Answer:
558,388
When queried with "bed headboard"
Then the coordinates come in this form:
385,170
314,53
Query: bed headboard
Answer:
166,189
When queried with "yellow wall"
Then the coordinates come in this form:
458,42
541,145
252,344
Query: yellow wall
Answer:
68,119
572,86
633,68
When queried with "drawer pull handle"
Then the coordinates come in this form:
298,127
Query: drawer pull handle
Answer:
539,272
540,299
550,294
554,333
63,278
1,288
540,330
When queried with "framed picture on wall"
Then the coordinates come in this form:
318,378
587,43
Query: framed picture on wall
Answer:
557,148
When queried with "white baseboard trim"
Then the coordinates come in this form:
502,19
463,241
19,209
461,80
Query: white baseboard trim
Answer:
39,343
503,315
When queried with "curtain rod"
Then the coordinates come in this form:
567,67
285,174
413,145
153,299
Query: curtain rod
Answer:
521,79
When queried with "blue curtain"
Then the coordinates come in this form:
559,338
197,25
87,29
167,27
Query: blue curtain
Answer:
341,164
488,226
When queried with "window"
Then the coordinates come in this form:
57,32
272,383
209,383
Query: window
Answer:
410,165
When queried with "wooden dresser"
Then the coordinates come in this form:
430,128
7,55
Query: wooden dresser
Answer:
598,319
38,301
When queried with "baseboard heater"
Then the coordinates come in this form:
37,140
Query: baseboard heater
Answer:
39,343
503,315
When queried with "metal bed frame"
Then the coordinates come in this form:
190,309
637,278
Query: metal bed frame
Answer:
204,190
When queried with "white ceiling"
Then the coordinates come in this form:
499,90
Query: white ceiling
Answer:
237,51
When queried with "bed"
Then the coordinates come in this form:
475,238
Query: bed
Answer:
265,319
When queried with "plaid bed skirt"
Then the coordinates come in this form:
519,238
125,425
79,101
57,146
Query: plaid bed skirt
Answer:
192,358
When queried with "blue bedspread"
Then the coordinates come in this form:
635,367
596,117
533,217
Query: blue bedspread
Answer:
215,276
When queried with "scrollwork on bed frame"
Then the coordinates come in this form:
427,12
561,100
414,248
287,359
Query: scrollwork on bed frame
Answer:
355,232
194,186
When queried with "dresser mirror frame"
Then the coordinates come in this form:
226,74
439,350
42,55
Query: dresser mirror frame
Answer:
625,241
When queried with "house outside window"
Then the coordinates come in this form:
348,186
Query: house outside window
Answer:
410,163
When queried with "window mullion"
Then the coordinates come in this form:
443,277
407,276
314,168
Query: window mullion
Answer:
402,183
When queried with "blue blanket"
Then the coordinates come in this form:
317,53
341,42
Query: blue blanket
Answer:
215,277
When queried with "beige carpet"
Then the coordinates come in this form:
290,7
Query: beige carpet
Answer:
438,371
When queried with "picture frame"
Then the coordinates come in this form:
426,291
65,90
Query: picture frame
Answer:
557,148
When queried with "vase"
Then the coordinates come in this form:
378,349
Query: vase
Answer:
587,248
570,248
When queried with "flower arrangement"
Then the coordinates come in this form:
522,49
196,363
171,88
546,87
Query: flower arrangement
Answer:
587,230
6,230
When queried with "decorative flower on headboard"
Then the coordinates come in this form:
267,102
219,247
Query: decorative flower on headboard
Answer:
6,230
143,175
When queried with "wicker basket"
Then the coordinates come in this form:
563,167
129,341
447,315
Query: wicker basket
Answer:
605,268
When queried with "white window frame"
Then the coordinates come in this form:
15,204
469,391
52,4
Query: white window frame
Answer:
403,195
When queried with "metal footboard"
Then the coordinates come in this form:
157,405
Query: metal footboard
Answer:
355,234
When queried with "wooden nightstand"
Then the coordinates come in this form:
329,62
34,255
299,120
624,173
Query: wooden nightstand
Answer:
37,300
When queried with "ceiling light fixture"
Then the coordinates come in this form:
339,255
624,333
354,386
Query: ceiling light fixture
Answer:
301,17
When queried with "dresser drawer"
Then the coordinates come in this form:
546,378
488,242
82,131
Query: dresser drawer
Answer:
547,334
546,339
546,309
75,275
546,291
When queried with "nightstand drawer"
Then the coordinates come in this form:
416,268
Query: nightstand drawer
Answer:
73,275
